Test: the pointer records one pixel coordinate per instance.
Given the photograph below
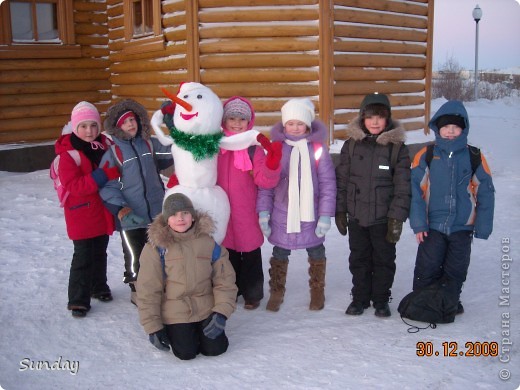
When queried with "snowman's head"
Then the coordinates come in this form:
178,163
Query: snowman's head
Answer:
206,111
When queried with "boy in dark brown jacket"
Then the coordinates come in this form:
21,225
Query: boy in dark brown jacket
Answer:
373,201
186,285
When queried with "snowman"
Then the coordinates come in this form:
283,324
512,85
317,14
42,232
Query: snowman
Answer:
195,139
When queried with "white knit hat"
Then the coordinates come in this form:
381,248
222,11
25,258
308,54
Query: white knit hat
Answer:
301,109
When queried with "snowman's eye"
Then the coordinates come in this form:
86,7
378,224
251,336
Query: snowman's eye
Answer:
199,96
186,96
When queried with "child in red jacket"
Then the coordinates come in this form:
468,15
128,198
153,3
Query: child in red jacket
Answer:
88,222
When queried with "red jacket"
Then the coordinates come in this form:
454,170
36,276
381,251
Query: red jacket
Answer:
85,214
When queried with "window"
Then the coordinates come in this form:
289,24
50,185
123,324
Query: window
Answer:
28,25
143,31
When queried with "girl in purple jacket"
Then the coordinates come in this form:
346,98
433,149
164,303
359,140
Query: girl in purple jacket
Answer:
296,214
240,173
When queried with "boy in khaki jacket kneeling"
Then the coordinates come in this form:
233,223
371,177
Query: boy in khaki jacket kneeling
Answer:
186,285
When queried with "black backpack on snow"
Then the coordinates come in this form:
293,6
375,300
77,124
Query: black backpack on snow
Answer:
433,304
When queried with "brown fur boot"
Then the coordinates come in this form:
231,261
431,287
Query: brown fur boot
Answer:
278,276
317,283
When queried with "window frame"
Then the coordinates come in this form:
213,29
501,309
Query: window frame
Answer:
153,41
65,48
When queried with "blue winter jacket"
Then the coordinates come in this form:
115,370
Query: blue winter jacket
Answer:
445,196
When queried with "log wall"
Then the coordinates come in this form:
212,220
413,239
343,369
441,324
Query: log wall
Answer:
269,51
37,95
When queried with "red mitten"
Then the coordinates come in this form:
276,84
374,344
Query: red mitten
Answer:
173,181
112,173
168,107
272,160
264,141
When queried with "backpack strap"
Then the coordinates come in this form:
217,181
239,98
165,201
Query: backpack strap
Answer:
428,156
118,154
216,253
475,158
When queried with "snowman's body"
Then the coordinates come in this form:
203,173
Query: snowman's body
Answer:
198,177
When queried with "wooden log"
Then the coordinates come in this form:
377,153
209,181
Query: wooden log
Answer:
379,18
354,101
385,5
90,17
380,47
259,75
391,34
374,60
55,86
168,51
13,76
14,125
32,135
363,74
53,98
175,35
90,29
43,110
173,6
62,63
174,20
115,25
140,91
137,78
245,31
91,40
115,11
94,52
89,6
247,45
244,3
366,87
149,65
259,60
259,15
266,89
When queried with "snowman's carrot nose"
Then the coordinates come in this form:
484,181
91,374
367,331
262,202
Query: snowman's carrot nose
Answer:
177,100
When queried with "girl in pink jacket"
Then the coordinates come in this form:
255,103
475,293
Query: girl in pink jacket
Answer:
240,173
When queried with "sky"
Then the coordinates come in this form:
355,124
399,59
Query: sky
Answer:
499,33
43,347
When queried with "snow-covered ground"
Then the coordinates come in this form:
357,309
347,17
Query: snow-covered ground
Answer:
292,349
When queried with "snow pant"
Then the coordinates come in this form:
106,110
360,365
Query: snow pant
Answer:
371,263
443,255
249,273
133,242
187,341
88,270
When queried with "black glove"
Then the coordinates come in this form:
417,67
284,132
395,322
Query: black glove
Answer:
160,340
395,228
214,325
341,222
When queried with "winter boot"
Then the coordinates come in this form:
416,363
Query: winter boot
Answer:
133,294
278,277
317,283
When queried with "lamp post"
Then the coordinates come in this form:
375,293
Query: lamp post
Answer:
477,15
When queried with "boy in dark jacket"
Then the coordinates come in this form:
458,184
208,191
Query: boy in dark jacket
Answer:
138,195
373,201
450,202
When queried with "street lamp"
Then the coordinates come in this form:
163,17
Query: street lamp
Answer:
477,15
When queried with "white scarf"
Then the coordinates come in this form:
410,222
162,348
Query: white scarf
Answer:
301,200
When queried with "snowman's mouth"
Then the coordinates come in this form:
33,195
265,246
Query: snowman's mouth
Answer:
187,117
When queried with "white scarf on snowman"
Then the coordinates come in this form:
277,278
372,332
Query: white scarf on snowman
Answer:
301,193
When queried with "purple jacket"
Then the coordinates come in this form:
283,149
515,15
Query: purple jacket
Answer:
275,201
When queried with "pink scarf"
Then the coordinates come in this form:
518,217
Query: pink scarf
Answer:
242,160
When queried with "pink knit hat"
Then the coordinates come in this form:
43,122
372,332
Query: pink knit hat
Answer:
239,107
84,111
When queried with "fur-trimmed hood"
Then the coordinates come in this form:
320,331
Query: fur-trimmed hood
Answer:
392,136
161,235
115,111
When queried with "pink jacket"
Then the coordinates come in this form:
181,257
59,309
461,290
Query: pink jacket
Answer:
243,231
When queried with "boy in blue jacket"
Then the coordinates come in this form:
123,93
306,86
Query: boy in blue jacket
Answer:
451,203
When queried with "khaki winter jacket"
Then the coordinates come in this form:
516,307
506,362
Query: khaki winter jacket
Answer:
190,287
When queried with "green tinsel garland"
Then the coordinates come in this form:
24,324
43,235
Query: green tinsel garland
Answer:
201,146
